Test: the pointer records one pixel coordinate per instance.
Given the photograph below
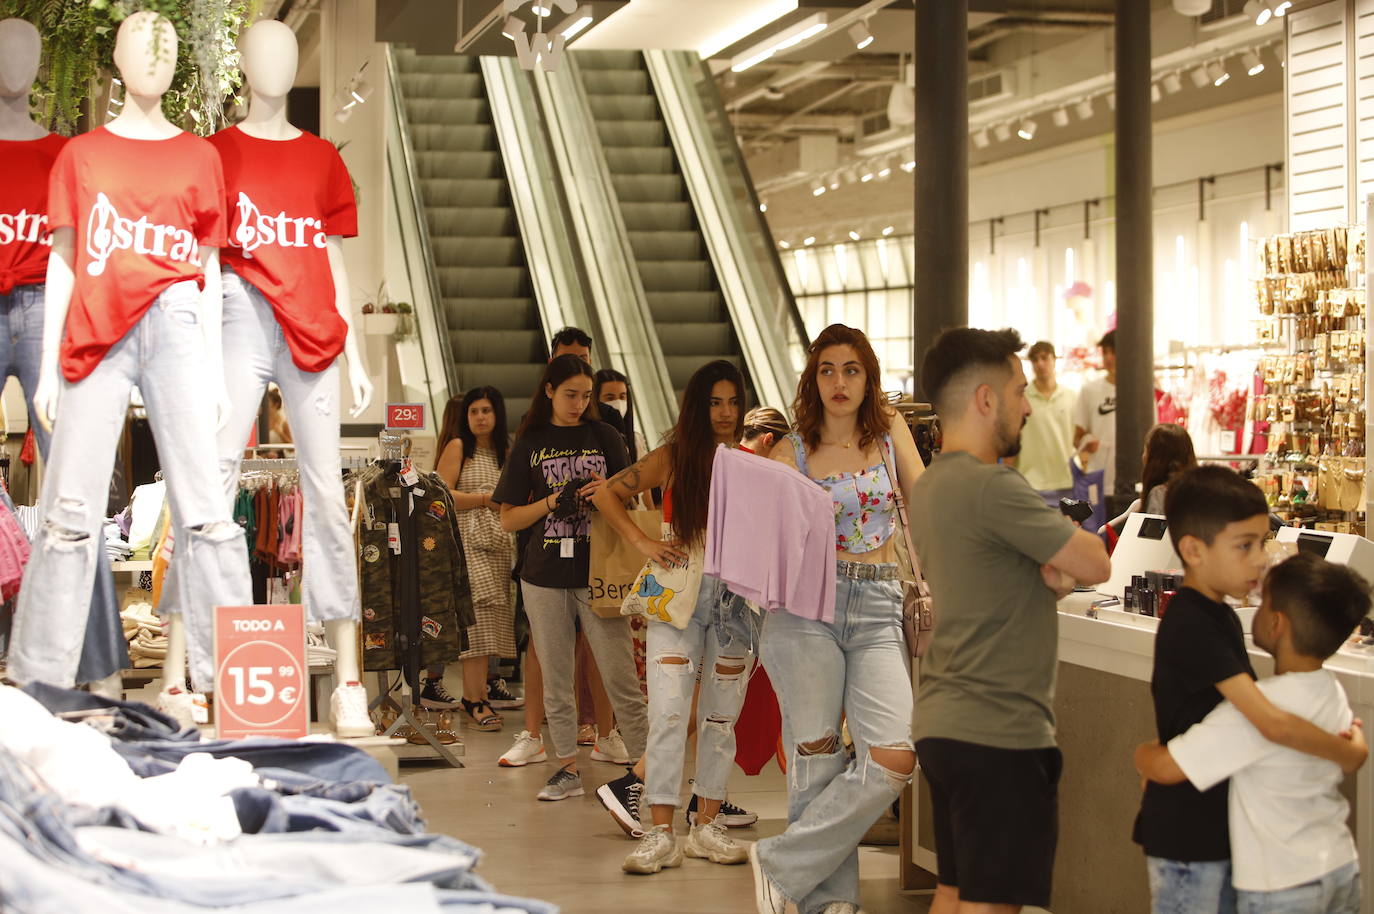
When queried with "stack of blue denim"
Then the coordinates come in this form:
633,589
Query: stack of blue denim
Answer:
325,832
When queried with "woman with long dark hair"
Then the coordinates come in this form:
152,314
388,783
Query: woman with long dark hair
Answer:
561,459
1168,452
472,449
721,627
854,665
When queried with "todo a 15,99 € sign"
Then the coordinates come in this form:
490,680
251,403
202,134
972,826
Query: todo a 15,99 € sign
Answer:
261,678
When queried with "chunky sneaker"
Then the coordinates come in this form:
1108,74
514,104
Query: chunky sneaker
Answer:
841,907
730,815
767,898
435,697
348,712
526,751
709,842
621,798
562,785
611,748
658,848
190,709
501,697
586,735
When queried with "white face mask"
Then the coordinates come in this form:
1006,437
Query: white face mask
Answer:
620,406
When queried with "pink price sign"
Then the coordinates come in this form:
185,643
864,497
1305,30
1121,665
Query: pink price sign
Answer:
405,415
261,677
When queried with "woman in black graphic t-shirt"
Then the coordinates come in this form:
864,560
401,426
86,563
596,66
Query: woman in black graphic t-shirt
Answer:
559,460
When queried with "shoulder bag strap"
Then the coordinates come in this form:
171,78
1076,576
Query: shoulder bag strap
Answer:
901,512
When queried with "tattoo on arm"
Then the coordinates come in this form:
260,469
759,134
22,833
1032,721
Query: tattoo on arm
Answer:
628,479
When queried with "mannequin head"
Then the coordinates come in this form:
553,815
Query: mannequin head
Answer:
270,54
20,48
146,54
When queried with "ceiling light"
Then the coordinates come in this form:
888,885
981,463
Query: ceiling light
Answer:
866,177
762,15
784,244
818,190
1252,63
512,27
1002,132
886,172
853,235
789,37
1171,83
1281,8
888,230
860,35
582,18
1061,117
835,183
1258,11
1027,129
1084,109
1156,93
543,12
344,113
1199,77
1216,71
1192,7
809,240
763,207
981,138
910,164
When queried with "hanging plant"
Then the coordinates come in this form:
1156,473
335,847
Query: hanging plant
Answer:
78,52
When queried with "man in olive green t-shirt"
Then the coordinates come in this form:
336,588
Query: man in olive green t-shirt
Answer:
997,560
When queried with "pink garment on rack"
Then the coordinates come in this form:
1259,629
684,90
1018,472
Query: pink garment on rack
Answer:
289,512
770,535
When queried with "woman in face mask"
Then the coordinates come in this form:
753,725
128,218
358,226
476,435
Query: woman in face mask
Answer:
612,389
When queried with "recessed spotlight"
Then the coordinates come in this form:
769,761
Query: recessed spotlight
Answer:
1252,63
853,235
1061,117
888,230
809,240
1084,109
1172,83
1027,129
1216,71
1002,132
981,138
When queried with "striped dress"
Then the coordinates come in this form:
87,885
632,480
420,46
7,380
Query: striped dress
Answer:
490,553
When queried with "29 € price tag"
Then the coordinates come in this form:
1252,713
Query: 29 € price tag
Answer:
405,415
261,684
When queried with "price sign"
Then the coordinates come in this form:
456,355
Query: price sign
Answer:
405,415
261,685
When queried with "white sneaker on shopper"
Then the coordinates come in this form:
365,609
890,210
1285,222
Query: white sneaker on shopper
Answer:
611,748
658,848
710,842
562,785
348,712
841,907
767,898
526,751
190,709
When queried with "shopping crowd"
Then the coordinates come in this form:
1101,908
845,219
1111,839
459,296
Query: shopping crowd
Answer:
740,491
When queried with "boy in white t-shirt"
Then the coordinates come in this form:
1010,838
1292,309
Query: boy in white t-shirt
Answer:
1291,850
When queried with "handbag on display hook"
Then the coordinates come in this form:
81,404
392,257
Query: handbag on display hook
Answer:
918,610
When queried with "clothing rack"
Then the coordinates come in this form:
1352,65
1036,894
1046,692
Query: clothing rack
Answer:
267,464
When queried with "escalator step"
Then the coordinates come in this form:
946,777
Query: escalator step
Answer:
513,379
696,339
676,276
470,221
451,138
632,133
491,313
464,192
410,62
668,245
687,307
448,111
641,160
459,164
473,346
609,60
658,217
649,188
417,86
484,282
477,252
624,107
616,82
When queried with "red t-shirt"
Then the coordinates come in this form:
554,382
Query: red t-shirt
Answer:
24,237
284,198
141,210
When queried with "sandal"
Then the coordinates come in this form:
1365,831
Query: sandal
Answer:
478,719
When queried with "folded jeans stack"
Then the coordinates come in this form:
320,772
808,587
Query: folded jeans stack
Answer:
143,630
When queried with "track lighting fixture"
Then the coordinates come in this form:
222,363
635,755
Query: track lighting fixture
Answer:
1172,83
1002,132
1061,117
1084,109
1216,71
1027,129
860,35
1252,63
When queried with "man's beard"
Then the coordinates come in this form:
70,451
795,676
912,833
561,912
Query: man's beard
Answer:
1008,442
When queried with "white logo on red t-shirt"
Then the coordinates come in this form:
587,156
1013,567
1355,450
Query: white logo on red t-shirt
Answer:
24,226
254,229
107,232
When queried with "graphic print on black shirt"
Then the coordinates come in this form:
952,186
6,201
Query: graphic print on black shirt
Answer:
558,466
1199,644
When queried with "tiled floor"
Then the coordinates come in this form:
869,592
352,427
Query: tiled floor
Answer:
570,852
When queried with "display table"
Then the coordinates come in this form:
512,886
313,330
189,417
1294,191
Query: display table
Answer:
1104,710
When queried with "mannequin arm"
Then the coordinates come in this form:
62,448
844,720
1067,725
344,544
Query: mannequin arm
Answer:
57,297
358,380
211,318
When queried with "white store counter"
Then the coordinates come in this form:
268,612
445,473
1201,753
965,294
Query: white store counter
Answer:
1104,711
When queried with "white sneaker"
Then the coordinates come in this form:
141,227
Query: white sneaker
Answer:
709,842
657,849
841,907
611,748
767,898
527,750
348,712
190,709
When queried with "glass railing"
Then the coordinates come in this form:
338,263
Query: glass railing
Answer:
764,312
424,357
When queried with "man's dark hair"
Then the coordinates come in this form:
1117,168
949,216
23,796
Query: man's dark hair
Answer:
965,352
570,336
1044,347
1108,341
1202,502
1324,602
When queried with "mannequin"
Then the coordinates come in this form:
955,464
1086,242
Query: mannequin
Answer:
132,297
287,318
27,152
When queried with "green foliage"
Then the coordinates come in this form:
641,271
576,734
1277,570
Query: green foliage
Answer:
78,51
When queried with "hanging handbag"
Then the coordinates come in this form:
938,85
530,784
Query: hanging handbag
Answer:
667,594
918,610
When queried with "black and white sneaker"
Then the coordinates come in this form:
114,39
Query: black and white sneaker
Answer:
435,697
500,696
731,816
621,798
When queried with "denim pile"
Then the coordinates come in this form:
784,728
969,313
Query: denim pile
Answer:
317,826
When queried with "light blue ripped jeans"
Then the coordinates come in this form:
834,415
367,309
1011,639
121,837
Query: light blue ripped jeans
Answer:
856,666
722,633
1183,887
1338,892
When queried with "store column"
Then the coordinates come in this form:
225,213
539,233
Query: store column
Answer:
941,295
1134,244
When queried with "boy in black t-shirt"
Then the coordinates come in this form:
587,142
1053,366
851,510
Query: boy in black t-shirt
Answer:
1218,523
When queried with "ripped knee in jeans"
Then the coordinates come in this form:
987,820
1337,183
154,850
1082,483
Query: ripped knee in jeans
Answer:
897,763
826,745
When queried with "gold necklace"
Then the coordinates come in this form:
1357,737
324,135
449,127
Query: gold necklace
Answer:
848,444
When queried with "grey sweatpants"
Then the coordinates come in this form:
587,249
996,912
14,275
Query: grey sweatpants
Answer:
552,611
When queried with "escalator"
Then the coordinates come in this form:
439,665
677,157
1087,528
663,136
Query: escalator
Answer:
489,305
692,323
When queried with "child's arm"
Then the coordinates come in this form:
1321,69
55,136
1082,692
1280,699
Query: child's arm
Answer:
1154,763
1291,731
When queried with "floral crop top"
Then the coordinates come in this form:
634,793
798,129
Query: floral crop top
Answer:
865,507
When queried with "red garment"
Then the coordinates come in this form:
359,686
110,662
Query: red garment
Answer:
284,198
759,727
141,210
24,237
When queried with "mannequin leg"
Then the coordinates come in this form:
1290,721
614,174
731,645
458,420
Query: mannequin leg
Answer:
343,637
111,686
174,667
